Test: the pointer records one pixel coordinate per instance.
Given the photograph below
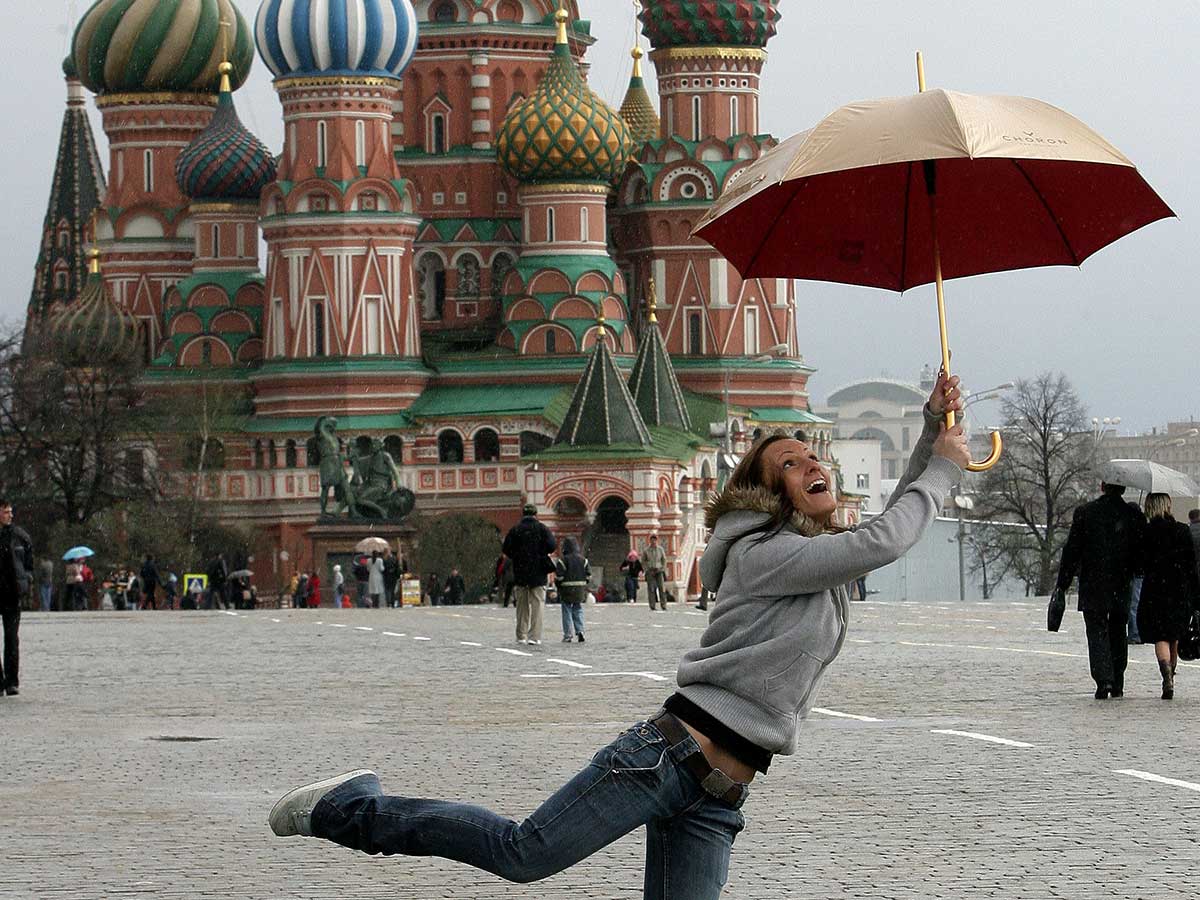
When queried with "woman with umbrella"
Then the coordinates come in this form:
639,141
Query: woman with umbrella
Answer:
779,566
1170,587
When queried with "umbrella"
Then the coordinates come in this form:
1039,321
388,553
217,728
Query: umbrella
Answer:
78,553
372,544
241,573
911,190
1149,477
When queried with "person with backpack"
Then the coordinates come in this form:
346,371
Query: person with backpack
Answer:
573,576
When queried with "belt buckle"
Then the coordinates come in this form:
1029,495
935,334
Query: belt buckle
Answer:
718,784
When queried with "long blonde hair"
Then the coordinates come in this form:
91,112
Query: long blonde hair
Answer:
1158,505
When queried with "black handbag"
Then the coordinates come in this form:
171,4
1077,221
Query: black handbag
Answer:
1189,644
1054,614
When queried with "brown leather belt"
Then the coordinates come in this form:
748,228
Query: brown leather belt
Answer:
714,782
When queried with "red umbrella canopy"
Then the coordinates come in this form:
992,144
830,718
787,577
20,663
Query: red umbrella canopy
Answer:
1017,184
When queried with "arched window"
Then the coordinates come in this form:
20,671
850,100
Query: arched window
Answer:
322,146
444,12
550,225
697,112
258,454
148,171
733,116
289,455
362,445
212,450
394,446
360,143
468,277
216,242
584,224
431,289
450,447
487,445
502,264
438,128
551,341
695,334
312,452
320,347
272,458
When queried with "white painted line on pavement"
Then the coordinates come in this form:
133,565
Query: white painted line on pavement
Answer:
415,638
543,676
859,641
228,613
363,628
649,675
277,620
1159,779
394,634
841,715
509,650
470,644
974,735
336,625
568,662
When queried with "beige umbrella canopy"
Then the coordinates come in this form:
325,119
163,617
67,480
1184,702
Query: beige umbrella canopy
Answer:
906,191
372,545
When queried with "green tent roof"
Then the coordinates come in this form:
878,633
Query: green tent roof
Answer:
602,411
654,386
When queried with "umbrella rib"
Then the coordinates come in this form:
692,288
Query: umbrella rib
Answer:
767,238
904,232
1046,206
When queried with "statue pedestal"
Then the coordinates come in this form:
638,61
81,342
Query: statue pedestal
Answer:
332,543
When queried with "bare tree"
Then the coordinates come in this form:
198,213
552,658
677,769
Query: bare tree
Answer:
1045,472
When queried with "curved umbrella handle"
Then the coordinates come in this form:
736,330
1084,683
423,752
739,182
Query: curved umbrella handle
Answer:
992,458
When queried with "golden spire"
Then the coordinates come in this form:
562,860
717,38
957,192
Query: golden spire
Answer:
600,319
637,55
561,17
652,301
226,66
93,258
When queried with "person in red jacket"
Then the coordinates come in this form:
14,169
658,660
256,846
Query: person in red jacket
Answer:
313,601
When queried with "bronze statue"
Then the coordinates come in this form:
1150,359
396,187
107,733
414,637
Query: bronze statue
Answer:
374,491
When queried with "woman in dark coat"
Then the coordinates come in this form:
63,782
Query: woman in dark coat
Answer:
1169,589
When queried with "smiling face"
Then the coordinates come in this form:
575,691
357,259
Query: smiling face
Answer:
795,467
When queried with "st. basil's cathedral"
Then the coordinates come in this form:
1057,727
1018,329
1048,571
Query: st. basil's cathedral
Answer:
470,256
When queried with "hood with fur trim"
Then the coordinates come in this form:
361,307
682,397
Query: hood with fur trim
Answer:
736,512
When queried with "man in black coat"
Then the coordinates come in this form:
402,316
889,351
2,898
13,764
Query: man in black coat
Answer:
529,544
150,579
16,568
1103,549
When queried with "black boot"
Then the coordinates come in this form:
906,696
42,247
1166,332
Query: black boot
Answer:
1103,691
1168,678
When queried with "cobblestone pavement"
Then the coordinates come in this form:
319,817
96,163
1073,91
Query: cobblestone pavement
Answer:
145,749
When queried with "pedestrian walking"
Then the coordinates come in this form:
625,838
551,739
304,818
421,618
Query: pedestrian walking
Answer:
300,594
45,583
1103,549
149,583
170,589
314,591
654,561
632,567
433,589
1170,586
1135,595
456,589
391,577
362,580
375,579
529,544
339,587
779,566
573,576
218,573
16,572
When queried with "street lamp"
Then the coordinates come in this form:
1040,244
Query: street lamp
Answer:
1169,441
964,504
989,394
1099,426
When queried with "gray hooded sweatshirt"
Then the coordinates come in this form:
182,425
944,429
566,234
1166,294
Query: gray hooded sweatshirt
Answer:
781,610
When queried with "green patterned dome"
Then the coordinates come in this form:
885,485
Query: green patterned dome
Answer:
94,329
563,132
707,23
145,46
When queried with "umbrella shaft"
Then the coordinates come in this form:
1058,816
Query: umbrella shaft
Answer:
941,296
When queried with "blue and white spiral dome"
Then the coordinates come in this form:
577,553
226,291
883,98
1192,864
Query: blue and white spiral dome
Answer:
315,38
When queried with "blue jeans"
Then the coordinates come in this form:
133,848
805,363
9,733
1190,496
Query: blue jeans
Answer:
636,780
1135,594
572,613
631,588
46,591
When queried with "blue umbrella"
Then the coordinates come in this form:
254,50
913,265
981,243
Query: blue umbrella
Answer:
78,553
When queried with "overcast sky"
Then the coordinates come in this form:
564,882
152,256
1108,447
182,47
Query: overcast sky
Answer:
1123,327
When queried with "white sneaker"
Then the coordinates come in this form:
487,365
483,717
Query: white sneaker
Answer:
538,643
292,815
522,641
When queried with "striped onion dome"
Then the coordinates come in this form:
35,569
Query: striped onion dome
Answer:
709,23
563,132
94,329
309,38
225,161
143,46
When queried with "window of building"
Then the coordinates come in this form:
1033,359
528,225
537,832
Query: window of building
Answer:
431,289
444,12
277,338
360,144
64,238
148,171
373,330
502,264
550,217
863,481
670,118
551,341
60,279
322,145
438,133
290,456
258,454
468,276
460,198
216,242
733,116
241,240
891,468
272,457
905,438
293,147
695,333
450,447
393,445
751,331
487,445
319,346
502,198
584,225
697,113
